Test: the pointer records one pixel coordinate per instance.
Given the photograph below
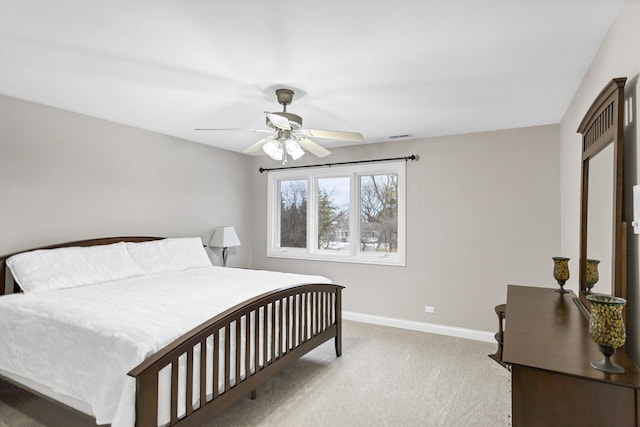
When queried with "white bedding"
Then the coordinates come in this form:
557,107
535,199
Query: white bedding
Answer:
81,342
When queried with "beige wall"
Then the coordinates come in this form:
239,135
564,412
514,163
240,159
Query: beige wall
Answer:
482,208
482,211
618,56
64,177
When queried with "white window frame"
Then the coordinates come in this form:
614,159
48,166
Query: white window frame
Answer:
353,255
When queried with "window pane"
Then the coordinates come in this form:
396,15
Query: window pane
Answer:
333,213
293,213
379,213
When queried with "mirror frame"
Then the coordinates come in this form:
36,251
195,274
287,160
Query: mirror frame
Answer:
603,125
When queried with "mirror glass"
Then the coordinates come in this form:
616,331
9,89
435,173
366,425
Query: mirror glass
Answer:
600,218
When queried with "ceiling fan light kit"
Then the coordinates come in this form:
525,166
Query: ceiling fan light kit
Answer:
290,139
279,149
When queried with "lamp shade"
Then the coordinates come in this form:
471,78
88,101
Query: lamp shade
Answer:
224,237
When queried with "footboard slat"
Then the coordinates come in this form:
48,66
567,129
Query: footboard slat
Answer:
314,313
303,303
265,335
279,327
216,363
238,350
189,391
203,372
227,356
323,312
256,338
327,320
247,346
326,309
274,332
280,345
300,317
272,355
318,312
291,322
174,391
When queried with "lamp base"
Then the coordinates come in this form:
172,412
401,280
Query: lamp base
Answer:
224,257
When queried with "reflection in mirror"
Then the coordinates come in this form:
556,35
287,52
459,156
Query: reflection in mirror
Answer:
600,217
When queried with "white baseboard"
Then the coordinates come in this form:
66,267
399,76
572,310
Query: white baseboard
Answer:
431,328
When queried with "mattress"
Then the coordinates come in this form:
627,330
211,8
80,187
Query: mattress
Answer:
81,342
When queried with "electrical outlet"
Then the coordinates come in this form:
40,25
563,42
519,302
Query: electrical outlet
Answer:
429,309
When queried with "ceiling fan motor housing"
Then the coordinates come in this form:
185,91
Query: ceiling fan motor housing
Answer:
294,119
285,96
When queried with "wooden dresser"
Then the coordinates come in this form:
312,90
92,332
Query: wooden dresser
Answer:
547,343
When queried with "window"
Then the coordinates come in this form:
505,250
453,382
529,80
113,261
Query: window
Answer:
343,213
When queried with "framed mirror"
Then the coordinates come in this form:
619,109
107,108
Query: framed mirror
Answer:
602,226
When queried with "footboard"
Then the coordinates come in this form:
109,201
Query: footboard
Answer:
208,369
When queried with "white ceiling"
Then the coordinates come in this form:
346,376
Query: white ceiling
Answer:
382,68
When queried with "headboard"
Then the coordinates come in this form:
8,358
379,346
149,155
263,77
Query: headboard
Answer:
90,242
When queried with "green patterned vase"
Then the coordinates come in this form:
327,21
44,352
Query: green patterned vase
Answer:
606,328
561,272
592,273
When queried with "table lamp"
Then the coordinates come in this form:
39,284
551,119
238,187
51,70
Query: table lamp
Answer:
224,237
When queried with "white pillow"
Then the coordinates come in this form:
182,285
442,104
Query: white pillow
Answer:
48,269
173,254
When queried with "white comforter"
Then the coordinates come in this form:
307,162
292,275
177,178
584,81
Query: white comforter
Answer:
81,342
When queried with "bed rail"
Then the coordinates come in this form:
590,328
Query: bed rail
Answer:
235,352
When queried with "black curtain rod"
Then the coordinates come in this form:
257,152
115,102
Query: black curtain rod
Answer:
328,165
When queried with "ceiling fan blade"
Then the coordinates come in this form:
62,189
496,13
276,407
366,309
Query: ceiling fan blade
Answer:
336,134
278,121
257,145
233,129
313,148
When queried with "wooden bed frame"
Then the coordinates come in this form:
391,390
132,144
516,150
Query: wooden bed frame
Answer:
306,316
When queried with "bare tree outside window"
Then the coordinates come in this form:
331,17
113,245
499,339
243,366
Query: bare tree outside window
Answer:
333,213
293,213
379,213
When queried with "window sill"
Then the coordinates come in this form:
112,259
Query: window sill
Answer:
391,260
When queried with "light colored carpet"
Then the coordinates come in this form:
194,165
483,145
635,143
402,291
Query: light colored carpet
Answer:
385,377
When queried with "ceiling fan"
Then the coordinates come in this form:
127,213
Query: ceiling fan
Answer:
288,138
